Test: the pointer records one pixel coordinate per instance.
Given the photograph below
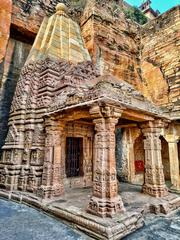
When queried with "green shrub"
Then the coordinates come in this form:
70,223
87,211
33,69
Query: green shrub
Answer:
136,15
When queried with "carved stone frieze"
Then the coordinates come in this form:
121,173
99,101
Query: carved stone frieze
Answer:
37,157
106,87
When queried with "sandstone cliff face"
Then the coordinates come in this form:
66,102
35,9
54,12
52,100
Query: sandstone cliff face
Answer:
146,57
27,16
155,86
161,59
112,41
5,21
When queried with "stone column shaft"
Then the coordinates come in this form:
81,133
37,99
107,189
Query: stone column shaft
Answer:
105,200
52,179
174,161
154,176
131,175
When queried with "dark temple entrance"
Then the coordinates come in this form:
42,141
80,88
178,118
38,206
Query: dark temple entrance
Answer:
74,157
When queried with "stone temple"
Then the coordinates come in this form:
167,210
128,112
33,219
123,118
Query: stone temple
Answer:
97,103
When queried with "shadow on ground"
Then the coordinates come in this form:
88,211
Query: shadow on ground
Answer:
20,222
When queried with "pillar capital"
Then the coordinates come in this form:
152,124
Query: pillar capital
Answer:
105,124
54,131
171,138
105,111
155,126
52,124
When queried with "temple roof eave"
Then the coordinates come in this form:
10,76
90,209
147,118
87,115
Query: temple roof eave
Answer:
147,115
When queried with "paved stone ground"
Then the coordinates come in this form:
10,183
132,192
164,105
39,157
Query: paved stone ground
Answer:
20,222
158,228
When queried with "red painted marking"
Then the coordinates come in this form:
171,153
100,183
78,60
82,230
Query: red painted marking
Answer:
139,166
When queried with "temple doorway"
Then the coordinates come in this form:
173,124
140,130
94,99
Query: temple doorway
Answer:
74,157
166,161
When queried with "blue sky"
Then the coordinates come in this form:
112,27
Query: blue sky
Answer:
161,5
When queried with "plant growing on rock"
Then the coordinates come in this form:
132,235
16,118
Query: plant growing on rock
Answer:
136,15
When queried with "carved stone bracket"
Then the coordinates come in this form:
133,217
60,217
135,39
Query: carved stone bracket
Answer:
105,111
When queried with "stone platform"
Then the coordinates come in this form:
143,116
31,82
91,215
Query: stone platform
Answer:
134,199
71,208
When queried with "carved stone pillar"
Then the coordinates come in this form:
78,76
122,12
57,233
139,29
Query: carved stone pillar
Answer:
174,161
105,201
53,169
154,184
131,158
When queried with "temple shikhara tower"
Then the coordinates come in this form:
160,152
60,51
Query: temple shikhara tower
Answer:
96,104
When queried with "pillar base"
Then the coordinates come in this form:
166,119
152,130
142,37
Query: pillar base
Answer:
47,192
155,191
175,188
105,207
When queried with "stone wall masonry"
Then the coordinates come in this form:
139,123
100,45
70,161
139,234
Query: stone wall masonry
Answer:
142,56
28,15
112,42
160,53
